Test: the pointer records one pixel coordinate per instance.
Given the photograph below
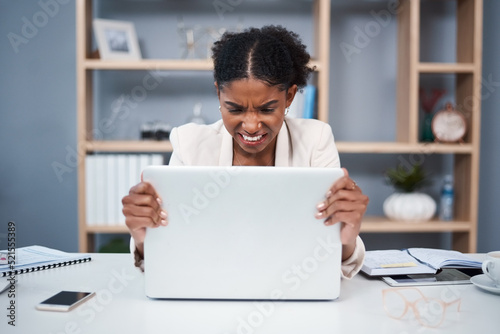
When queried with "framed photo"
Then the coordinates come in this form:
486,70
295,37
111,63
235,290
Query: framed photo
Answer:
116,40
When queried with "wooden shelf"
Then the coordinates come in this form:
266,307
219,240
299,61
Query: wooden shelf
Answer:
393,147
129,146
159,64
150,64
384,225
467,84
445,68
370,225
343,147
107,229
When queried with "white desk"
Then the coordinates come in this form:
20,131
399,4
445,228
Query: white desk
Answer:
121,307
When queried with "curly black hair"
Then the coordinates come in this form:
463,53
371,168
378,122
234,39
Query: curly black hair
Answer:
271,54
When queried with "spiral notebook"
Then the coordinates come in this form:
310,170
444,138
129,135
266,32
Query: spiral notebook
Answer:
36,258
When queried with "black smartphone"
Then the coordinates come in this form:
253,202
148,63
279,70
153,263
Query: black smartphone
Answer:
65,301
442,277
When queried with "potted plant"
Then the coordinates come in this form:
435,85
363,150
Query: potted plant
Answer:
407,203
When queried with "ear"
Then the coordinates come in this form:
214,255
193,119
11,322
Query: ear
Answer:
217,88
290,95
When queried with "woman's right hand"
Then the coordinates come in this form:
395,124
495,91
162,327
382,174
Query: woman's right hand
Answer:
142,208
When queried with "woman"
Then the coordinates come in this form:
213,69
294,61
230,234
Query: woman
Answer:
257,74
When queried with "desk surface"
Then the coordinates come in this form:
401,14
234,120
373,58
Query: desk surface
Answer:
121,306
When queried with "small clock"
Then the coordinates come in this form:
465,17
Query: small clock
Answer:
449,125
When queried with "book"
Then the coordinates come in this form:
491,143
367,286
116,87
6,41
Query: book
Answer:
99,196
122,184
110,190
90,188
309,101
414,261
36,258
304,103
108,178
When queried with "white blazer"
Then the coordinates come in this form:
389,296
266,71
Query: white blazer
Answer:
300,143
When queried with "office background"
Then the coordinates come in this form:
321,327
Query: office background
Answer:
38,112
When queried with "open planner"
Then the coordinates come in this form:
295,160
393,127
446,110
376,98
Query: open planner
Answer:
414,261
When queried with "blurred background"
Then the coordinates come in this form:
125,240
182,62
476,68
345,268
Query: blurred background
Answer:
38,102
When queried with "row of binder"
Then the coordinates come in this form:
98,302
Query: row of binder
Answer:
109,178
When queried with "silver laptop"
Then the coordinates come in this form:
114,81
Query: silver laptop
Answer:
242,233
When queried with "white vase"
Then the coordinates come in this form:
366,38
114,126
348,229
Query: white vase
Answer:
410,207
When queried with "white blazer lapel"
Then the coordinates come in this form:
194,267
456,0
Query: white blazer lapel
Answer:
283,148
226,150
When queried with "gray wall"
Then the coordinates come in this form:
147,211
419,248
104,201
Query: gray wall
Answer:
489,185
38,107
37,123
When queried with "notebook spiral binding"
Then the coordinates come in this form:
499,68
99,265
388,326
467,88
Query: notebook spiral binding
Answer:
44,267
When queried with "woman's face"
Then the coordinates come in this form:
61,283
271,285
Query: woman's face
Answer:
253,113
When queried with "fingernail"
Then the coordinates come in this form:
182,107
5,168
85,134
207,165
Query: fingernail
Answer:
318,215
328,222
158,199
321,206
328,194
164,222
163,214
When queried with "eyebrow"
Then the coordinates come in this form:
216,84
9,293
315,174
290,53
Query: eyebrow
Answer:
263,106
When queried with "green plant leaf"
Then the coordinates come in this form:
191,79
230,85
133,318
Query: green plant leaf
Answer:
406,180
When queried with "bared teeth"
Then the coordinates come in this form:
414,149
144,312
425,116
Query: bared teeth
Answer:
247,138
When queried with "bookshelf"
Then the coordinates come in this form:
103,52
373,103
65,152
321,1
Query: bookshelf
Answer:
466,70
87,65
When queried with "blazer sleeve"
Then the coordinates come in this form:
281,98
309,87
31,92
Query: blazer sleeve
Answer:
175,160
325,153
352,265
176,157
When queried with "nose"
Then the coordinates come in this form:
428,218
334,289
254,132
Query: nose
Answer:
251,122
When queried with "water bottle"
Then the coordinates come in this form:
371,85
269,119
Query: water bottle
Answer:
196,117
447,199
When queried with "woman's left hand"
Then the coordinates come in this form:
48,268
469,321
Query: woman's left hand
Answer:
345,203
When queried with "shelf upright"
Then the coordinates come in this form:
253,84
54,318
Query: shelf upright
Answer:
84,111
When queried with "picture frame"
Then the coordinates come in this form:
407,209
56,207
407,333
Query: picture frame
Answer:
116,40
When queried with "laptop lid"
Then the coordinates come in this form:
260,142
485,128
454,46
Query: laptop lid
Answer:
242,233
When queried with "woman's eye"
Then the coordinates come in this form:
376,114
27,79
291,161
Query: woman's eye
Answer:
234,111
267,110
